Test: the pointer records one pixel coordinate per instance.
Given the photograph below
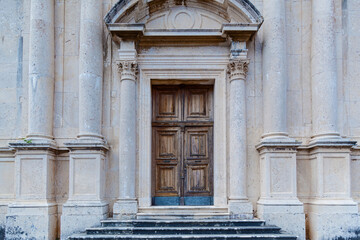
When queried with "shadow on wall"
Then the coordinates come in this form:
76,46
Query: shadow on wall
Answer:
353,232
2,232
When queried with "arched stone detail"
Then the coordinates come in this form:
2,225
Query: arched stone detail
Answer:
140,11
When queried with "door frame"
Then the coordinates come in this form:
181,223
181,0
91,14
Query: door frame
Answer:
196,71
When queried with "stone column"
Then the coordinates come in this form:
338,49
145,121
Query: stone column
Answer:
239,205
323,70
90,69
331,210
34,212
126,205
41,70
274,70
86,205
278,195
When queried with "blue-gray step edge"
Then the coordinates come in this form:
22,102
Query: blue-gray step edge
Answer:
178,237
180,223
184,230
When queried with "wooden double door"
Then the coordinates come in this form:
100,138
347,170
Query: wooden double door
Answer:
182,145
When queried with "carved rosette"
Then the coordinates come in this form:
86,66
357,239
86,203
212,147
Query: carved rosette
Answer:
128,70
237,69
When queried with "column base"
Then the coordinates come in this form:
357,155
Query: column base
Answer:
31,221
333,219
125,209
287,214
240,209
77,216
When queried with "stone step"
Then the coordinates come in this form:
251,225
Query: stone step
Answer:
180,223
182,215
183,209
182,230
178,237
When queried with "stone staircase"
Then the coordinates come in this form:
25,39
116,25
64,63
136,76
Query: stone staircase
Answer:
204,229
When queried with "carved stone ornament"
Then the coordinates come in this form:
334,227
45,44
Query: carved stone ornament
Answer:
237,69
128,69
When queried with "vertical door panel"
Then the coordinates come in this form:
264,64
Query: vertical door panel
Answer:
198,161
166,104
167,160
198,104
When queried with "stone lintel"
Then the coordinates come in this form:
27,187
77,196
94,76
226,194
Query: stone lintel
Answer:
237,32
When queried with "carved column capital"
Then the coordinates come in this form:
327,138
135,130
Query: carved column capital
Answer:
237,69
128,70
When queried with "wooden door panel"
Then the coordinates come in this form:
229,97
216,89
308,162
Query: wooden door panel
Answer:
198,104
167,180
198,179
166,104
167,160
198,161
197,143
167,144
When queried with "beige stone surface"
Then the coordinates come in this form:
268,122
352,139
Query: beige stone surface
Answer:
306,80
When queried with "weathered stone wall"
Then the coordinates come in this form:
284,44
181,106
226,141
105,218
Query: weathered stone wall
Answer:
14,34
14,31
14,65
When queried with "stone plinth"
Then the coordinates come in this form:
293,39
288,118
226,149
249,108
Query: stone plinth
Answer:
34,212
86,205
355,174
278,203
331,211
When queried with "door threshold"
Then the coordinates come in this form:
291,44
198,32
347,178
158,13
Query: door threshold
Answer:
181,209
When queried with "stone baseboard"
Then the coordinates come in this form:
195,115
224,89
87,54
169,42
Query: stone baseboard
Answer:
76,217
290,217
31,222
333,225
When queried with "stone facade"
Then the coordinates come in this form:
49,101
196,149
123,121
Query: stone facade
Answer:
75,104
